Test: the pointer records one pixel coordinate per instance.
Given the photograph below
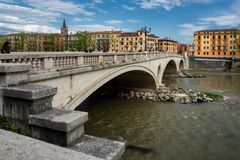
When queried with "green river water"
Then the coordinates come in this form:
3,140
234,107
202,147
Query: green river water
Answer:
173,131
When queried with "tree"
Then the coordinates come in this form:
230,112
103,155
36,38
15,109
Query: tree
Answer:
19,44
1,41
82,41
52,43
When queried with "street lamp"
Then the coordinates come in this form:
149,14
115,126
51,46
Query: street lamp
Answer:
146,30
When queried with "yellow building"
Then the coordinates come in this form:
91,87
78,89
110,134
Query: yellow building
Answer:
215,43
136,41
168,45
36,42
107,41
131,42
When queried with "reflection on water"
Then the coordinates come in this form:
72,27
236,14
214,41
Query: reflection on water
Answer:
173,131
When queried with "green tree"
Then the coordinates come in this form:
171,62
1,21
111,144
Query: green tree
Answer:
52,42
1,41
19,44
82,41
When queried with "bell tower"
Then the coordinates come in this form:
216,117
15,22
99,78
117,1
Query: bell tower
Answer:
64,28
64,35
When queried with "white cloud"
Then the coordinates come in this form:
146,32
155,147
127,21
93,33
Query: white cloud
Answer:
13,19
152,4
114,22
227,20
168,4
128,8
27,28
133,21
188,29
91,28
98,1
76,19
60,6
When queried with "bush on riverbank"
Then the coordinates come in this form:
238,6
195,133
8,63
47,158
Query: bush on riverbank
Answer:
213,96
4,124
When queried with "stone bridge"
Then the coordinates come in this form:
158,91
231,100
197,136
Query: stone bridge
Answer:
39,92
78,75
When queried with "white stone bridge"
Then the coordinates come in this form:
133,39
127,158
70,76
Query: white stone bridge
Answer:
78,75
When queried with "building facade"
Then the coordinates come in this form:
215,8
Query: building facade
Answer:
168,45
105,41
37,42
216,43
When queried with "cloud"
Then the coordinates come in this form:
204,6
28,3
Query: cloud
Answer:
114,22
98,1
60,6
13,19
188,29
128,8
27,28
36,16
133,21
91,28
227,20
76,19
168,4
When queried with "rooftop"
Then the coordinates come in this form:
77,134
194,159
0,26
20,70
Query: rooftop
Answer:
215,30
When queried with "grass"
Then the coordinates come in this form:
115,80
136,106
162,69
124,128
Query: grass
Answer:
4,124
213,95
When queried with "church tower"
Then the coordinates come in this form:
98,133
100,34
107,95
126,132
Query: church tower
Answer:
64,28
64,35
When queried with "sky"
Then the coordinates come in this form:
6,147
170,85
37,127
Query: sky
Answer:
176,19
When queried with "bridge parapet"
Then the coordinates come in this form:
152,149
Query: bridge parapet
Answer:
60,60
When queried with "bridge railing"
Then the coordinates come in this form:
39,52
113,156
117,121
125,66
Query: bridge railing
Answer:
61,60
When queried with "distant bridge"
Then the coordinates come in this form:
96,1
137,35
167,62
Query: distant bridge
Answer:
77,75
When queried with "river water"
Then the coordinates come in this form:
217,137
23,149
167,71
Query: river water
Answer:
173,131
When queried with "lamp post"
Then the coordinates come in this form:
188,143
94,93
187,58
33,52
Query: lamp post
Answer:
146,30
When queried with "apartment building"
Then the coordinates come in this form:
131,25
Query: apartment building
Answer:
168,45
216,43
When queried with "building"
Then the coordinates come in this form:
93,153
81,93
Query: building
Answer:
136,41
191,50
105,41
37,42
216,43
168,45
184,48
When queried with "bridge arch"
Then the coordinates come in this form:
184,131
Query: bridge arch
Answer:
170,68
181,65
145,74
